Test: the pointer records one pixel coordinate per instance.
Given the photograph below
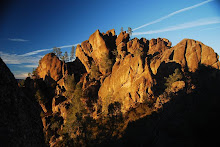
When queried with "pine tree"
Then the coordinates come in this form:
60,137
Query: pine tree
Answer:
129,31
122,29
54,50
57,52
72,53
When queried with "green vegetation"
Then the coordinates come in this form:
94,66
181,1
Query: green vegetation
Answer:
176,76
106,63
130,31
72,53
57,52
75,110
94,74
70,83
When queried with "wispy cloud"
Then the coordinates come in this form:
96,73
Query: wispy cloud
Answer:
200,22
35,52
173,13
18,59
211,28
17,39
30,58
31,66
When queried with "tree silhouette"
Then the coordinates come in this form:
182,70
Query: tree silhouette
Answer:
57,52
72,53
129,31
66,57
122,29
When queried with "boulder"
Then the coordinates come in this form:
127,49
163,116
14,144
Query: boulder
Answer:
190,53
50,65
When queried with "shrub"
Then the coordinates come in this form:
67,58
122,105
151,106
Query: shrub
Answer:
70,83
106,63
94,74
176,76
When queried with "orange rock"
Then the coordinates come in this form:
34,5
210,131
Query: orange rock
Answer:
191,53
122,37
50,64
83,52
158,45
128,82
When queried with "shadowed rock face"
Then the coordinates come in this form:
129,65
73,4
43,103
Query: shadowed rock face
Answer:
20,123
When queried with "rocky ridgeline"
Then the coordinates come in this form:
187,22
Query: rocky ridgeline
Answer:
128,69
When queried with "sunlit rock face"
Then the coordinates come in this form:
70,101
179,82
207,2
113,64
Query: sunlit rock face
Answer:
132,75
50,64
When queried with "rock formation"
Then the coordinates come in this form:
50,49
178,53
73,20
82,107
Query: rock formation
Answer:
50,65
120,79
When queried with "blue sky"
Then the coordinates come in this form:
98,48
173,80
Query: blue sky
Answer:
30,28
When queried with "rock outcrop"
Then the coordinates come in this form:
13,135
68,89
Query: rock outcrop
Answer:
128,83
131,78
189,54
50,65
20,123
114,76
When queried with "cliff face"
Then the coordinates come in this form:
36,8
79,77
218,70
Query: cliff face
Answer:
124,80
132,73
20,123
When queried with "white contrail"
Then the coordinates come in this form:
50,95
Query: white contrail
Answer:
200,22
43,50
174,13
